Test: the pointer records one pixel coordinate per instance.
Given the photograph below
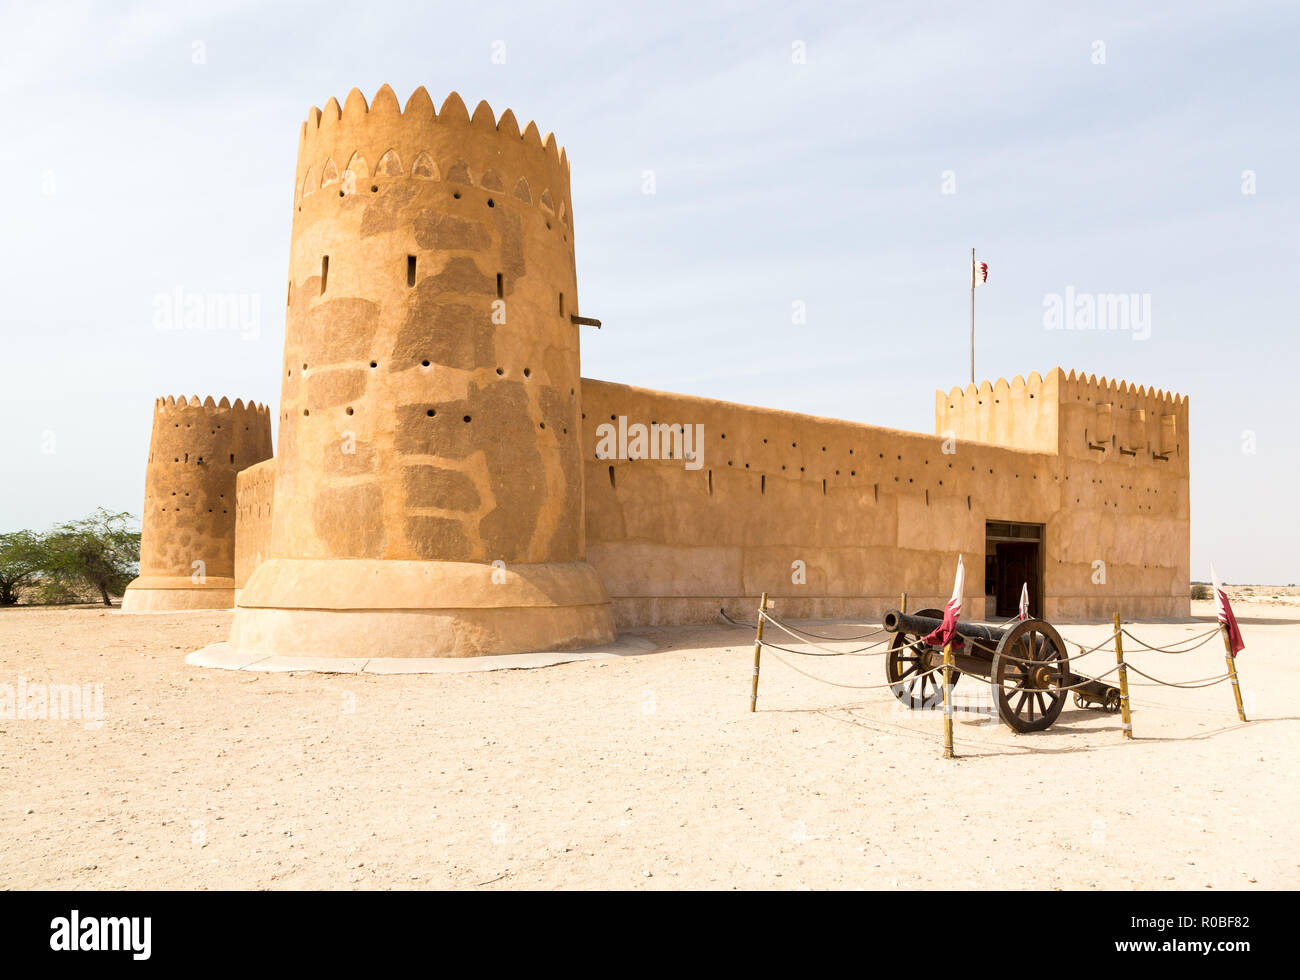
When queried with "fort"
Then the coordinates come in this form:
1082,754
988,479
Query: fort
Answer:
443,482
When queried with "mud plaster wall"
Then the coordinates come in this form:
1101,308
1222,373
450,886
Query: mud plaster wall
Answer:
430,383
871,512
255,500
1124,498
672,544
195,452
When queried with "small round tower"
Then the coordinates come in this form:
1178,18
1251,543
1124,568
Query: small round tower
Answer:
428,497
187,539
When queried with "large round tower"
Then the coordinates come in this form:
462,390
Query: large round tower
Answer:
428,497
187,537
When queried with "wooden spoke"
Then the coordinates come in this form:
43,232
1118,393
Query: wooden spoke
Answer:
907,667
1026,699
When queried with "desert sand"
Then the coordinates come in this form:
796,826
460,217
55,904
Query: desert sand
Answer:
638,772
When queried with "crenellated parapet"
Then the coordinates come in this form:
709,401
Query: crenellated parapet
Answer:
1106,418
187,544
210,433
1069,413
350,149
1020,413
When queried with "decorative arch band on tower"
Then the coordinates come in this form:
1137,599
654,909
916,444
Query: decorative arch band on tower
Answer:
337,145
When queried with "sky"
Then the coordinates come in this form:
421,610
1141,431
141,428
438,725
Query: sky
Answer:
845,157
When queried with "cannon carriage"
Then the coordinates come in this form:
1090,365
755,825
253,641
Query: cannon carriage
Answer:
1027,665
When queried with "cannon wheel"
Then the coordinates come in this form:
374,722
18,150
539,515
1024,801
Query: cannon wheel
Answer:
1028,695
903,661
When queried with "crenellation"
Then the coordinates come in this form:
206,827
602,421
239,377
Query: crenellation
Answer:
357,132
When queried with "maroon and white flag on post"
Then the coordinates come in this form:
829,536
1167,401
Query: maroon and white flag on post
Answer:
1226,619
980,273
1024,601
947,630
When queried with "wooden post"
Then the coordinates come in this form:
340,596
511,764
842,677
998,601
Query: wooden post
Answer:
1123,681
758,653
1232,670
947,701
902,602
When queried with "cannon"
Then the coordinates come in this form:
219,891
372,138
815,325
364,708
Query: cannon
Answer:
1027,666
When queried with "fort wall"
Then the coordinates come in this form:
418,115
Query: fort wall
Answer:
836,518
869,511
255,497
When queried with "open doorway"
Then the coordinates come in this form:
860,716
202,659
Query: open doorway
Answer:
1013,556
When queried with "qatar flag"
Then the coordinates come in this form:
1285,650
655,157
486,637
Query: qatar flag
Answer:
1226,618
1024,602
947,630
979,273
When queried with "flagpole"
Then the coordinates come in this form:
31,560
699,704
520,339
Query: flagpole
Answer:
972,316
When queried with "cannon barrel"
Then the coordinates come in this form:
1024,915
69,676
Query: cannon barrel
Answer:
896,621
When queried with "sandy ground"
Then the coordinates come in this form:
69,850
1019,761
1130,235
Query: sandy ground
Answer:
644,772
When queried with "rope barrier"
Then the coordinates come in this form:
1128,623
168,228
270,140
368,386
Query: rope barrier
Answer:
1030,660
1085,652
1203,637
1183,687
1190,685
827,652
825,636
1084,679
805,637
814,653
854,687
808,653
991,665
795,629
